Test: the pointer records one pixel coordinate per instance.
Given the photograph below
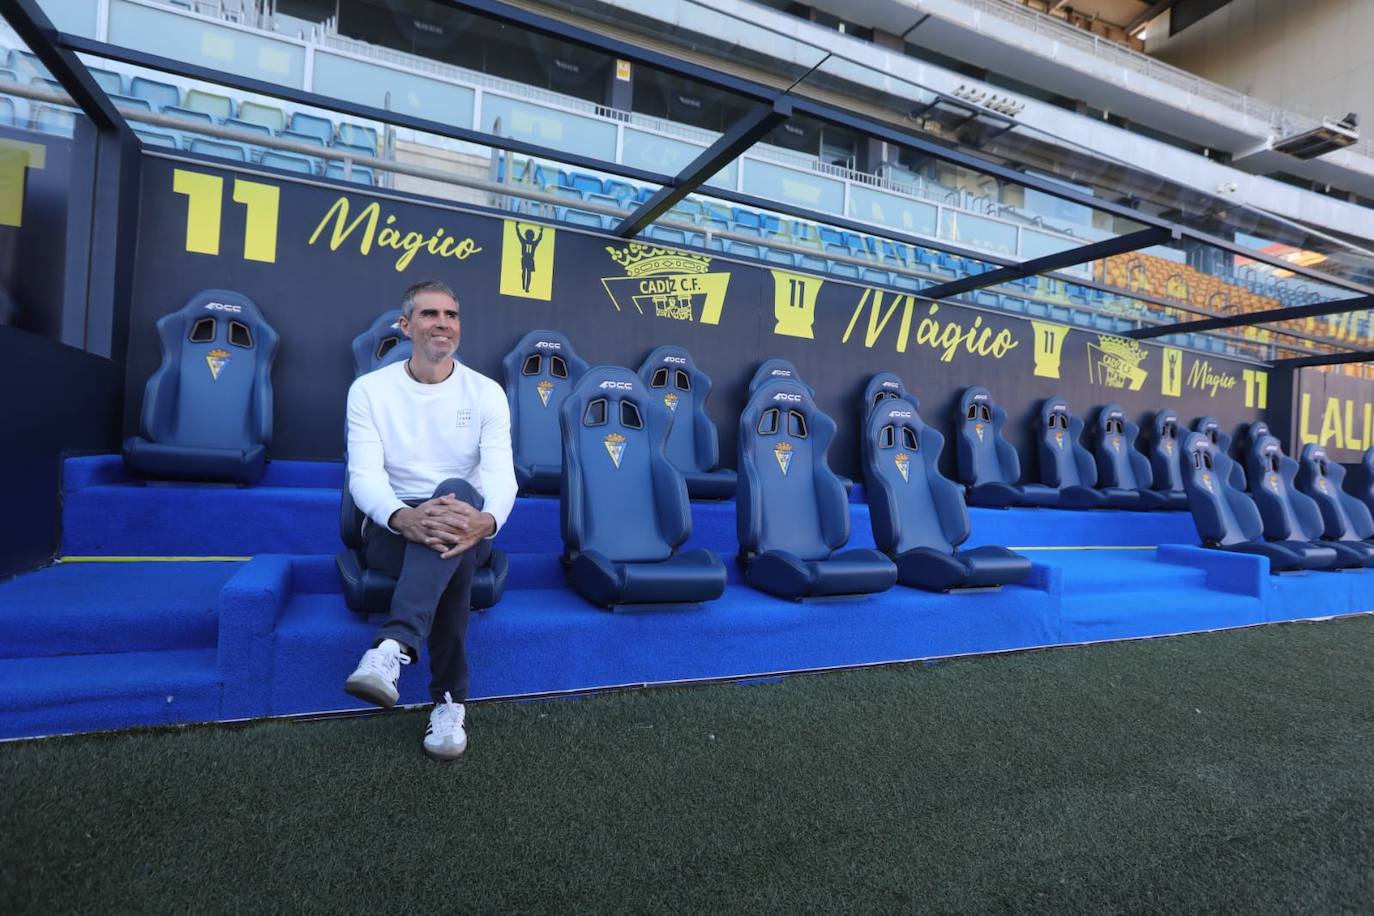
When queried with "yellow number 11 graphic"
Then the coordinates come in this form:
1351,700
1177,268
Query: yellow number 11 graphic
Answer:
204,206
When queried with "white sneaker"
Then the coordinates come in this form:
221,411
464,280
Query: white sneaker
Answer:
375,678
445,738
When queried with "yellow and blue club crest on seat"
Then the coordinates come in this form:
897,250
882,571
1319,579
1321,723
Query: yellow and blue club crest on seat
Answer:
1272,482
670,401
1116,443
903,461
1058,440
977,428
217,359
615,445
1207,482
545,388
784,455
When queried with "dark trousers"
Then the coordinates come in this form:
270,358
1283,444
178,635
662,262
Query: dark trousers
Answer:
432,596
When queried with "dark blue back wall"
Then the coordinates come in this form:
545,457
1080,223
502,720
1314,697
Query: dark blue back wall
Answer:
58,400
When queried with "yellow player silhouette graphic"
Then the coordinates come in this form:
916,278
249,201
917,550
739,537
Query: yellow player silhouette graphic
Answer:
529,241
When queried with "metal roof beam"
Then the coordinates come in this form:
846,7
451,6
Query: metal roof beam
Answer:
1335,307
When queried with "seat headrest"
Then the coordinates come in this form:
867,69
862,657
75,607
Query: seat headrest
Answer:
1111,420
1315,454
671,368
977,405
1209,427
1270,452
777,369
222,315
898,413
1258,430
382,344
551,345
1055,414
1166,424
884,386
1200,461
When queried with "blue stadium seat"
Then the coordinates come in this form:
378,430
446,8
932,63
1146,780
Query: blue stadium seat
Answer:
219,107
792,515
130,102
625,192
158,138
1211,428
624,507
297,136
988,464
1065,464
250,127
844,269
348,149
775,368
774,256
1361,484
53,120
382,344
1123,471
360,174
693,445
109,81
1165,456
586,184
160,95
581,218
224,149
918,515
268,116
6,111
321,129
1227,519
207,410
368,591
186,114
1250,434
1292,518
287,162
741,249
356,135
1344,517
540,373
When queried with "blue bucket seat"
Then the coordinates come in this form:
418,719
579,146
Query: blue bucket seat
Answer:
1292,518
1227,519
207,410
368,591
1121,467
1064,463
693,445
882,386
1211,428
792,515
1344,517
624,509
540,373
919,517
988,464
1361,484
1166,449
1240,448
382,344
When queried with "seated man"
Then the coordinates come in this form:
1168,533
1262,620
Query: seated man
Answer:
429,462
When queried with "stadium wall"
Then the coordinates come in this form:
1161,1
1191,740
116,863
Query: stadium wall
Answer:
322,261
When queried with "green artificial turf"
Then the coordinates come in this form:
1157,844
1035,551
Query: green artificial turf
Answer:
1231,772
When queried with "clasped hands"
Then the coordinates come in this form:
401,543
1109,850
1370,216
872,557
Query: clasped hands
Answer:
444,523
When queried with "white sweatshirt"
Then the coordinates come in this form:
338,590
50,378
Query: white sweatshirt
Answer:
406,437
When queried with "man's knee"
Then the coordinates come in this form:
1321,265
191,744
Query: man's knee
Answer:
459,489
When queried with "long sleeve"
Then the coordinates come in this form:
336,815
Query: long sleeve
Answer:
367,477
497,462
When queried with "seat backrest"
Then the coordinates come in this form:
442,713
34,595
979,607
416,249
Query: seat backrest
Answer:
788,498
1323,480
1361,484
1165,451
775,368
1211,428
621,496
1119,464
540,372
382,344
1064,462
1287,514
214,386
910,502
985,456
671,376
1223,514
1252,433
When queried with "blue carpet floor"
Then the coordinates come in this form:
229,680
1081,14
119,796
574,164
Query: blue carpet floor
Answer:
112,643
